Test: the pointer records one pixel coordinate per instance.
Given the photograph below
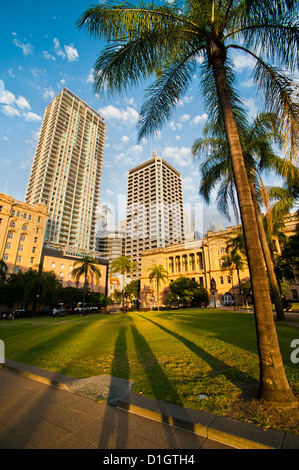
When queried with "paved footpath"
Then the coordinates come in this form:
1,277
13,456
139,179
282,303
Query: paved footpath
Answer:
35,415
40,409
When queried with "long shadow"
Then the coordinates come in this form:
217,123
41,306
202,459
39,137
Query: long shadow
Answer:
216,364
110,420
51,342
159,384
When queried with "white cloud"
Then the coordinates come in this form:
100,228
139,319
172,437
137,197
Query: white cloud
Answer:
199,119
32,117
10,111
125,139
125,116
243,61
90,78
57,48
7,97
252,107
48,56
185,100
26,48
4,139
184,117
22,103
48,93
70,52
180,156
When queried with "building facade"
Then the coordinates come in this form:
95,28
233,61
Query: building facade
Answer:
154,208
61,261
201,260
22,229
67,168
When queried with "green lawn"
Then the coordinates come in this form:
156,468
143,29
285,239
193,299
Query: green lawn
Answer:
170,355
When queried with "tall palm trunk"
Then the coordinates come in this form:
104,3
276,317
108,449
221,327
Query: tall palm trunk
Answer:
268,260
273,382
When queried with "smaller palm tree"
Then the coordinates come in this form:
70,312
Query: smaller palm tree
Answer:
158,273
87,267
123,265
233,260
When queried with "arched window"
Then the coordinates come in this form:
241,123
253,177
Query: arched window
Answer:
24,227
13,224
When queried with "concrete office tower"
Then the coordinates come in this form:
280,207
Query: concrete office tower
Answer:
66,170
154,208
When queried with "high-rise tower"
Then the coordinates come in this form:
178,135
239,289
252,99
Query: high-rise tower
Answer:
154,207
67,168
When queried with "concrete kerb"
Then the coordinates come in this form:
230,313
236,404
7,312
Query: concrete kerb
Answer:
238,434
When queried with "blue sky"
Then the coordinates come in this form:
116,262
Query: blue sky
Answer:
42,52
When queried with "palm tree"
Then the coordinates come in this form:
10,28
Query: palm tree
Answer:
3,270
233,260
257,140
37,285
176,41
123,265
89,268
158,273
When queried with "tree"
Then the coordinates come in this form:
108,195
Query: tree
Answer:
133,289
123,265
158,273
288,260
233,260
258,139
188,291
87,267
38,285
173,41
3,270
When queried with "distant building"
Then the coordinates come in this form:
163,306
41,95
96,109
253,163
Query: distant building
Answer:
154,208
22,228
66,170
61,261
201,261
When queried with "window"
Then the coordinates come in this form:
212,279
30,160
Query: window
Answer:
8,246
12,224
29,217
18,214
23,238
1,207
31,260
19,259
221,280
33,249
21,247
24,227
5,257
10,234
35,239
24,216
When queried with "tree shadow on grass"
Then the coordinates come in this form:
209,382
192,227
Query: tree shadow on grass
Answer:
231,373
